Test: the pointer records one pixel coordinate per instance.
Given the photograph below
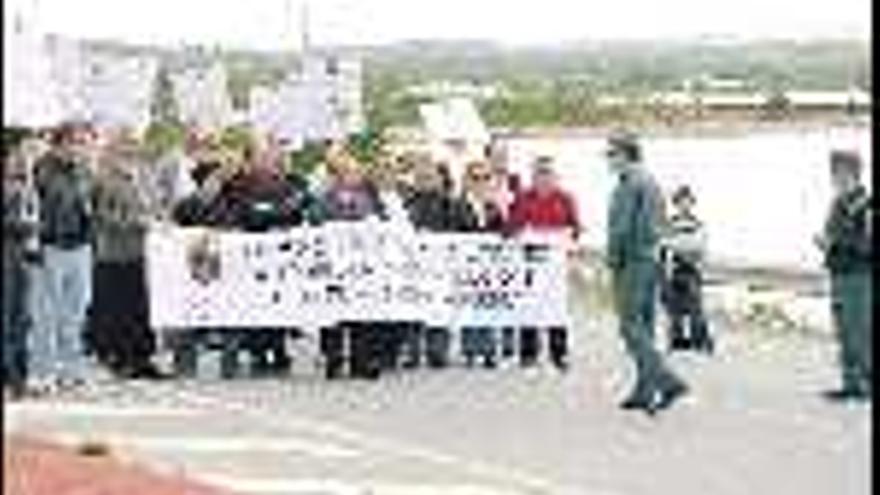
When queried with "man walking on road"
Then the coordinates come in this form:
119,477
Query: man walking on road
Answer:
846,243
635,219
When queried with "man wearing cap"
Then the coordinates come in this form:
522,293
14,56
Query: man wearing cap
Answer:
635,218
846,244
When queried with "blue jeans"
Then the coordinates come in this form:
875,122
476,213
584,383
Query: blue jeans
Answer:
478,341
62,295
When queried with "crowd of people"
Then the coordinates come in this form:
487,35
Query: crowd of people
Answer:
78,204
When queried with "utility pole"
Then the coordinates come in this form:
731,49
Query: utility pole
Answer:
304,27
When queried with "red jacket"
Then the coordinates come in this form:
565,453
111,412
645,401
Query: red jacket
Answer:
555,210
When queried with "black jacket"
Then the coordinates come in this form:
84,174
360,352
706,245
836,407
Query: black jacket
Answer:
847,233
437,211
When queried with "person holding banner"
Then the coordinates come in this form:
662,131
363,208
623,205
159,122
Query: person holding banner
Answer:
201,208
350,196
481,214
258,198
635,219
432,207
545,206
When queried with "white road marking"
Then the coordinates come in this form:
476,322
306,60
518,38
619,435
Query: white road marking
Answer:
73,409
527,483
260,486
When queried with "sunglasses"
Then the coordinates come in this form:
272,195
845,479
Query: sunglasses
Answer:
481,177
612,152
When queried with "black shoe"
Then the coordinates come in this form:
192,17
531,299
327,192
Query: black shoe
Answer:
679,344
846,395
561,364
489,363
668,397
634,403
708,346
148,372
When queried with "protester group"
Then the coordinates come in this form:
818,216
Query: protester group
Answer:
79,202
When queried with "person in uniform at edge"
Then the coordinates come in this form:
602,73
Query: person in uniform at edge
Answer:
846,244
635,218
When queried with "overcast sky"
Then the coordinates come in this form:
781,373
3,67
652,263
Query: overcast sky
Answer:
274,24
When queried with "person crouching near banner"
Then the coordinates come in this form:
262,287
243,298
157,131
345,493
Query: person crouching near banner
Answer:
124,207
481,214
64,182
349,196
543,207
433,207
20,226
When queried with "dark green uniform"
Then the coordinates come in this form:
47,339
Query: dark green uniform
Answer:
848,259
635,217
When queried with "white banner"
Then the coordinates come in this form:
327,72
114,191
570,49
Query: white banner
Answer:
309,277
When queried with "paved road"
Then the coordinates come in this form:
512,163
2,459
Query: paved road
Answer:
754,424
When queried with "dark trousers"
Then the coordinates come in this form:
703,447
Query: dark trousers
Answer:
635,297
367,351
361,345
557,343
331,342
437,342
16,320
478,341
267,347
412,344
508,342
118,329
683,298
851,309
189,343
530,345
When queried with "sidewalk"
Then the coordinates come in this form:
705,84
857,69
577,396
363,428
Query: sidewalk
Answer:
33,467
